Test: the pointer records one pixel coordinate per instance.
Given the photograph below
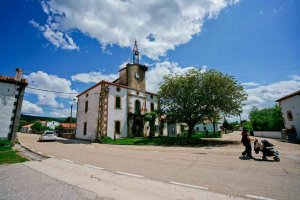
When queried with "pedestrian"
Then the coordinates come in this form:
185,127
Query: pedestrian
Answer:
246,140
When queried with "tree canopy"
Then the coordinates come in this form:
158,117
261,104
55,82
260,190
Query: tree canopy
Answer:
195,96
267,119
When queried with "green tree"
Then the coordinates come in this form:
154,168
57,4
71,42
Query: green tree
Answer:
37,126
267,119
21,124
151,117
192,97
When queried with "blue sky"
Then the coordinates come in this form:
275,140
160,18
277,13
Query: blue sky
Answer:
70,45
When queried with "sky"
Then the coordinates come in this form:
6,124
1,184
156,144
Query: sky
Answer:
68,46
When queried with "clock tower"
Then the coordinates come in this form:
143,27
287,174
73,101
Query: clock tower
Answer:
133,75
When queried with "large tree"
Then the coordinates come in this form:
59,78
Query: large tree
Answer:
267,119
197,95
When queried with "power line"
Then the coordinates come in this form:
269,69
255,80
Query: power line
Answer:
51,90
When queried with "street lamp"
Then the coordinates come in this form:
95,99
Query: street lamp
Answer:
74,101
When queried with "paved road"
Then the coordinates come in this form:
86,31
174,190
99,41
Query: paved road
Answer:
217,168
18,181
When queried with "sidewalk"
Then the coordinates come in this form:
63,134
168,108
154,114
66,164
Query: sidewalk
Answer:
102,183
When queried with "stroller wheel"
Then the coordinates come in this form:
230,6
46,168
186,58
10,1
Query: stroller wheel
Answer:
277,159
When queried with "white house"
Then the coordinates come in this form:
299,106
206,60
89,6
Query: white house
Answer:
52,124
116,109
290,108
207,126
11,97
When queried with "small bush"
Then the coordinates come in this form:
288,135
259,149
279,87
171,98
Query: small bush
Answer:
4,142
105,140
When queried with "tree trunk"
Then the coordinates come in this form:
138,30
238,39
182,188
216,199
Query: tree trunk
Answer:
214,124
190,131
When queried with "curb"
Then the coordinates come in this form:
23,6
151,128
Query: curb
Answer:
33,151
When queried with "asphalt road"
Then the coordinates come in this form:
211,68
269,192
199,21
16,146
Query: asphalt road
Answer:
220,169
18,181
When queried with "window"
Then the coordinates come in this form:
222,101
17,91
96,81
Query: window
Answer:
84,128
86,106
137,92
152,107
117,102
290,115
118,89
137,107
117,127
87,94
151,96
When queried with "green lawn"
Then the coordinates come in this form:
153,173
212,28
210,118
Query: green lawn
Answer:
8,155
196,140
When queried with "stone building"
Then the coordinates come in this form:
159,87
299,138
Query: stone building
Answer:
11,97
116,109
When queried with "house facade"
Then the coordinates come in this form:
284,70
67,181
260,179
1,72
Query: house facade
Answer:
116,109
290,108
11,97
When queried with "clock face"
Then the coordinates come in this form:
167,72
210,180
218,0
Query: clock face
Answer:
137,75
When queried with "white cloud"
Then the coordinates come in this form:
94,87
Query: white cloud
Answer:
154,75
45,81
157,25
30,108
63,112
57,38
250,84
264,96
93,77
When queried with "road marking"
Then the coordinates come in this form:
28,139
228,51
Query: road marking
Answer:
94,167
68,160
32,149
40,152
128,174
50,156
188,185
258,197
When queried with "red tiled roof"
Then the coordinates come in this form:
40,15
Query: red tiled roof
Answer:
289,95
110,83
10,79
67,125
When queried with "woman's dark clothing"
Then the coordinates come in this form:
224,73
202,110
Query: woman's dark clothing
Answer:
246,142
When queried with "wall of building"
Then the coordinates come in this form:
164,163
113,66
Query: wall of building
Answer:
52,124
267,134
117,114
90,116
209,127
292,104
7,106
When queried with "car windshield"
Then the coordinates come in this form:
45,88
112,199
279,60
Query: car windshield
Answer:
49,133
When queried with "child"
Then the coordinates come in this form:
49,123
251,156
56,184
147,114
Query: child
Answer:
246,140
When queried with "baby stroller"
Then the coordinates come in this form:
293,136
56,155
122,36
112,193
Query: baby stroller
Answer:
267,149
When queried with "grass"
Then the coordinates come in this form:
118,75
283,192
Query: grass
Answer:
196,140
8,155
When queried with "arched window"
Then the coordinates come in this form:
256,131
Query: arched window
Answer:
137,107
118,102
152,107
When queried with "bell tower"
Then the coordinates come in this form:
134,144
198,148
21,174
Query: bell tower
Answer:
133,75
136,54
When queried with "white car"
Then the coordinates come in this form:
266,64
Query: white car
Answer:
48,136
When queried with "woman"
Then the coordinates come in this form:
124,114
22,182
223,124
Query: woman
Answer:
246,140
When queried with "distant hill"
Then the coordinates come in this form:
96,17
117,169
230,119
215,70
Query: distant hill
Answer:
30,118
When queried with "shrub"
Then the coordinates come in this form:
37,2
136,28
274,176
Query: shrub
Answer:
105,139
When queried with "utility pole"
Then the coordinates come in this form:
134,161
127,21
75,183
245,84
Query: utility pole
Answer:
71,117
74,101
